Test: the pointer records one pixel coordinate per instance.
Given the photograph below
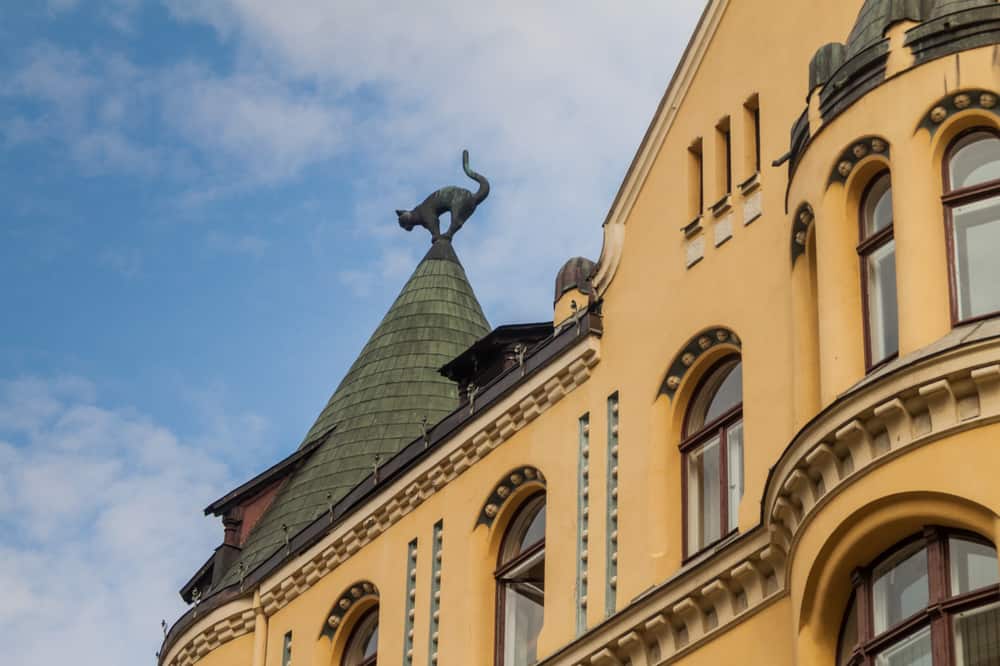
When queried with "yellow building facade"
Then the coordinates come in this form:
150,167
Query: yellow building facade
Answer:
764,427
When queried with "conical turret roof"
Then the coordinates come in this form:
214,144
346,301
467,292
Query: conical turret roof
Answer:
379,406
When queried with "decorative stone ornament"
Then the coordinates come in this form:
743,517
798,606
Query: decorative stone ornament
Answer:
353,595
803,220
694,348
953,103
854,153
502,492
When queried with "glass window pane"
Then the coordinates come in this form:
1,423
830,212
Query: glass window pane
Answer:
849,637
878,206
978,162
734,462
728,396
973,565
883,317
977,243
704,496
977,637
914,650
535,531
522,623
901,587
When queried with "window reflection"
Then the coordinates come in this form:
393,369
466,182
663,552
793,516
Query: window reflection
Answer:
521,586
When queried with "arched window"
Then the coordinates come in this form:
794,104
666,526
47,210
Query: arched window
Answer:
933,600
972,214
877,250
362,646
712,449
521,586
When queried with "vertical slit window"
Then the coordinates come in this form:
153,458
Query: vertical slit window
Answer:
286,650
751,115
696,179
724,156
611,573
877,251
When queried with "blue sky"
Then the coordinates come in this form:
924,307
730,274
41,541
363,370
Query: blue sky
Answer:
198,236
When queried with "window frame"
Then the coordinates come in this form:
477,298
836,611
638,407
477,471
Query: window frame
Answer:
937,615
951,199
689,442
868,245
506,566
370,615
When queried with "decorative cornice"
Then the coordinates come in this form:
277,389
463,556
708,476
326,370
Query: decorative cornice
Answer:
652,142
471,445
416,488
879,421
883,421
949,105
213,637
724,587
694,348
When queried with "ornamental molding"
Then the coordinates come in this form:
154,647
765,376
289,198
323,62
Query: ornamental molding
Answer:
884,418
511,482
692,351
882,421
851,156
652,143
730,584
359,592
977,100
474,442
468,447
804,218
213,637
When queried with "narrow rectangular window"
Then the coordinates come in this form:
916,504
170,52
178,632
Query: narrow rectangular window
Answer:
724,157
286,650
696,180
751,135
877,251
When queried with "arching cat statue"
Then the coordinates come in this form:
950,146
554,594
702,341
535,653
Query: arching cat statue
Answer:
458,201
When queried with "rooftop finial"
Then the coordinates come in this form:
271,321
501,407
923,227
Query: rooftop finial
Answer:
458,201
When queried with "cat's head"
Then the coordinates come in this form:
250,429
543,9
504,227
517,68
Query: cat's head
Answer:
406,219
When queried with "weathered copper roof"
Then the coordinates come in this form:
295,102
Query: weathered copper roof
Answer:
379,407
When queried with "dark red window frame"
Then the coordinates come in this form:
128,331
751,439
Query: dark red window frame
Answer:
717,427
960,197
938,613
505,567
866,247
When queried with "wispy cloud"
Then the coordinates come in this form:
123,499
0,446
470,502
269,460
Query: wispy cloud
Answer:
127,262
97,526
551,98
247,244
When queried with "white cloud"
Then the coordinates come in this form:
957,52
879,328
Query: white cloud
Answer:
100,524
551,98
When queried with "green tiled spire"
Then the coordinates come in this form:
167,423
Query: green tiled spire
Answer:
378,408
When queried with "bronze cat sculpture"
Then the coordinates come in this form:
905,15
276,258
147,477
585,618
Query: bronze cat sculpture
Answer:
458,201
